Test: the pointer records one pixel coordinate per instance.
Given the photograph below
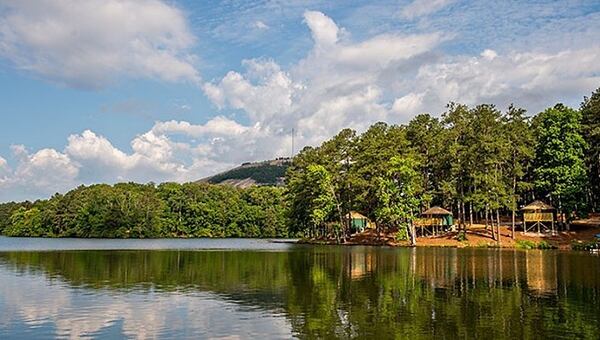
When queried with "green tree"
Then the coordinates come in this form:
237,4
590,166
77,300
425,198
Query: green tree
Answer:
590,111
400,194
425,134
312,199
374,149
456,160
520,143
560,171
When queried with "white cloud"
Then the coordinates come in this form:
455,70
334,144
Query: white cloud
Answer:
419,8
410,103
91,43
3,165
339,83
269,94
218,126
336,85
391,77
90,147
489,54
259,24
4,172
42,173
324,31
531,80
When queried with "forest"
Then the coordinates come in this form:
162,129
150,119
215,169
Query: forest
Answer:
130,210
479,162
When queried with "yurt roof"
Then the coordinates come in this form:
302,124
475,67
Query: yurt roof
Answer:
356,214
538,205
436,211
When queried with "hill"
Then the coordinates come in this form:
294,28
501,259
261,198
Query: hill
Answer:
270,172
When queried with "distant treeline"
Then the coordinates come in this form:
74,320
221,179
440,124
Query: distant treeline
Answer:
477,161
141,211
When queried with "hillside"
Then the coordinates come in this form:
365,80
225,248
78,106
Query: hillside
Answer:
269,172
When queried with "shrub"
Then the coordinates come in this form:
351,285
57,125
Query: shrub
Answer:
585,246
526,244
402,235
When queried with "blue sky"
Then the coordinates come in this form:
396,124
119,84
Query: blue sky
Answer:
107,90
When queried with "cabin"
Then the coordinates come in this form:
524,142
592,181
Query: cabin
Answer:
538,216
359,222
434,221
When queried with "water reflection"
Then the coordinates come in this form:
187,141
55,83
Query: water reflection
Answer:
303,292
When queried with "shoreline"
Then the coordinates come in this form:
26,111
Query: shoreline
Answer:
478,237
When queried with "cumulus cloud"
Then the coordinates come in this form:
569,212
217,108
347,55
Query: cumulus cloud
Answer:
340,82
218,126
155,156
262,92
419,8
44,172
4,172
532,80
324,31
90,43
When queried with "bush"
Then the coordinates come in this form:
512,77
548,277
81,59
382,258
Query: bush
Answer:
462,236
402,235
545,245
526,244
585,246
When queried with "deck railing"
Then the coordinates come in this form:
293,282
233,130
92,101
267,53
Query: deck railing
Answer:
424,221
535,217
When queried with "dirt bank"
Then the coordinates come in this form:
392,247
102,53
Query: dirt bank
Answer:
478,236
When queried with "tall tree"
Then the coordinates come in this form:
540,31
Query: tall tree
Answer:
312,199
400,194
520,144
455,160
425,134
590,111
487,151
560,171
374,149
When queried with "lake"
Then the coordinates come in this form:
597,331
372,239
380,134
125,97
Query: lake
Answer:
246,288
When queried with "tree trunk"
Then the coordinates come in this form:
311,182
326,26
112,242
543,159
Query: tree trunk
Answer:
512,226
486,217
339,210
514,206
463,222
471,213
411,233
498,224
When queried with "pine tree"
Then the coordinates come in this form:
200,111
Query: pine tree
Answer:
590,111
560,171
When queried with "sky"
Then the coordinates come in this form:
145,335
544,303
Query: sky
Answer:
105,91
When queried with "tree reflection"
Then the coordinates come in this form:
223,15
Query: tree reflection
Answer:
362,291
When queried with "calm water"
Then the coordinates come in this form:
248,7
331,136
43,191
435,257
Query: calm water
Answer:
257,289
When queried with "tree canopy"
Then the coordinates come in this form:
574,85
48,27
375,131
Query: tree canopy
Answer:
477,162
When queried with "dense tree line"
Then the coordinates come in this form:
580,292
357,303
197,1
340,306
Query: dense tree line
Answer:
145,210
477,161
